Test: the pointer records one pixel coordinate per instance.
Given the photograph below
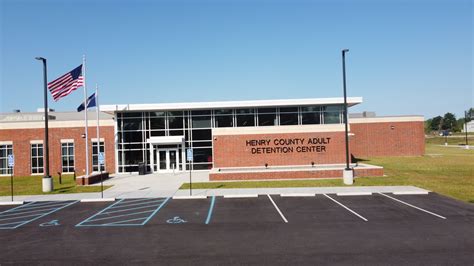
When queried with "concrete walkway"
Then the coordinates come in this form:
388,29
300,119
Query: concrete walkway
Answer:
167,185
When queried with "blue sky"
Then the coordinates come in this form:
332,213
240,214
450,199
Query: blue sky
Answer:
406,57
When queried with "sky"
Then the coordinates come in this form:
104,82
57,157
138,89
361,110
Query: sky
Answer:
406,57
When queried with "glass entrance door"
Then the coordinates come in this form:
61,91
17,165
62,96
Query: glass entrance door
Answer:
168,160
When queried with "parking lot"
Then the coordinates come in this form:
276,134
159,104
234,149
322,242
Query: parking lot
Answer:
264,229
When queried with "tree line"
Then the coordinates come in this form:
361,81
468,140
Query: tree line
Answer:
448,122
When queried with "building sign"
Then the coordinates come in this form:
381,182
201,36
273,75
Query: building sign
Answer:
287,145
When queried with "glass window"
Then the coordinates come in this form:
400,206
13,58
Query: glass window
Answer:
224,121
288,119
157,123
245,117
310,115
267,117
158,133
5,150
175,122
202,144
95,156
332,114
176,132
201,121
245,120
223,118
202,134
132,136
157,114
223,112
37,158
132,124
288,116
202,155
132,114
67,157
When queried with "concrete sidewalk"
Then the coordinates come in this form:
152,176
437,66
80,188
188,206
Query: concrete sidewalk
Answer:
167,185
300,191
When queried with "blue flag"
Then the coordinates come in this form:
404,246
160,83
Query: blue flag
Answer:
90,103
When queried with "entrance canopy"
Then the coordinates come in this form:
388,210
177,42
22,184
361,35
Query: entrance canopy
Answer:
166,140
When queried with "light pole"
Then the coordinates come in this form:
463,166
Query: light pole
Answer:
348,174
47,180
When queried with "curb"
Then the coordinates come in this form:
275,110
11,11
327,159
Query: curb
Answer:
190,197
11,203
411,193
237,196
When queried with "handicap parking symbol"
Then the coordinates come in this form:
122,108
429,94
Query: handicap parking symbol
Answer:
50,223
176,220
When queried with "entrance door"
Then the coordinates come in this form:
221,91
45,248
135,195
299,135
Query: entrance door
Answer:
168,160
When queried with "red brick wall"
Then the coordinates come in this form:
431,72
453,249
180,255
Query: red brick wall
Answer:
233,150
387,139
21,147
292,174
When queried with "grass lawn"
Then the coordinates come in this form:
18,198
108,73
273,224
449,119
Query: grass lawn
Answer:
445,170
32,185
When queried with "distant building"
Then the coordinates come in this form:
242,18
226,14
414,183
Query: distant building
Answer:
470,126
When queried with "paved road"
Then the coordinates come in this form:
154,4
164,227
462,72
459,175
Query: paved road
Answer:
268,230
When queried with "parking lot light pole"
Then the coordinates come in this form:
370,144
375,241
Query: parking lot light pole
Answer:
348,174
47,180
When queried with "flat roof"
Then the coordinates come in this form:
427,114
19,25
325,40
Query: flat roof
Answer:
228,104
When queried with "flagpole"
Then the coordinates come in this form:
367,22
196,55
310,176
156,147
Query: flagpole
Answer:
97,110
85,113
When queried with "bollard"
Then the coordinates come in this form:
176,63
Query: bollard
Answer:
60,179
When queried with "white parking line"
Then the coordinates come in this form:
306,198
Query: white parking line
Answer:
340,204
278,210
413,206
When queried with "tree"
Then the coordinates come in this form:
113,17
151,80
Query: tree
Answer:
449,122
470,114
436,123
428,125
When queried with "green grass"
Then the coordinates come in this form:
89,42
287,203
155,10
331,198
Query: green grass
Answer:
32,185
445,170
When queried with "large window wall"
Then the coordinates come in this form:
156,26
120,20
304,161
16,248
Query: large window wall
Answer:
134,128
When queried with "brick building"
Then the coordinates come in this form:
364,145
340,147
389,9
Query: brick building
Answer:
233,140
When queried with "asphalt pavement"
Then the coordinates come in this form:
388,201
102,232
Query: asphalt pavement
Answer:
381,228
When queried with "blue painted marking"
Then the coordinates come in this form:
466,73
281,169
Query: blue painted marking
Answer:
136,204
209,214
122,215
9,223
50,223
136,208
18,217
108,207
17,207
123,223
138,200
39,208
124,207
153,214
20,223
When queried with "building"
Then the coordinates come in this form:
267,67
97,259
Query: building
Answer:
231,139
469,126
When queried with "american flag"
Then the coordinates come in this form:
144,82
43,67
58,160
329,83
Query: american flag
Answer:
66,84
